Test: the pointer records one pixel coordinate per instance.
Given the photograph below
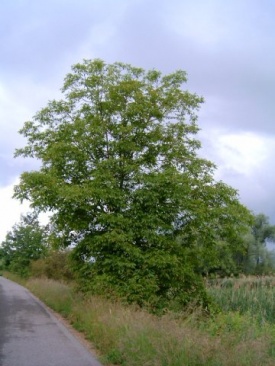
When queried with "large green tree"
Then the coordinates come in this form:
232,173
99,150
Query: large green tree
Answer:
120,170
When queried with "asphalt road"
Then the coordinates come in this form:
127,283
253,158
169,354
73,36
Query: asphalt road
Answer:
31,336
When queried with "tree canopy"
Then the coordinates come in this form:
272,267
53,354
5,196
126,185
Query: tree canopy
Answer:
120,170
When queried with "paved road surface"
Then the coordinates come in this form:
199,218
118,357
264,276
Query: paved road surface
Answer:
31,336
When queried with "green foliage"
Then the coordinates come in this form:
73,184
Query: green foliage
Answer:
24,243
121,173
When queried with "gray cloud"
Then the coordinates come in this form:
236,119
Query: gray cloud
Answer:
227,49
235,67
39,38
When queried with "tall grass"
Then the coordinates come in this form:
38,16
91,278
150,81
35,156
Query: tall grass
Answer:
133,337
15,277
249,295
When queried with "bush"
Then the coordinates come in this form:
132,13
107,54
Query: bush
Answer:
55,266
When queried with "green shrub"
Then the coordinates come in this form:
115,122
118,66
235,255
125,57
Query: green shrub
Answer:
55,266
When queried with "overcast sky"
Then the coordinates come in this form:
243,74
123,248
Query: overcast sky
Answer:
227,48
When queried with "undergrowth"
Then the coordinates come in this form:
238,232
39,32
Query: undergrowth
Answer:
129,336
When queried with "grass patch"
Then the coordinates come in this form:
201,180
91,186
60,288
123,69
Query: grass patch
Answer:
57,295
128,336
14,277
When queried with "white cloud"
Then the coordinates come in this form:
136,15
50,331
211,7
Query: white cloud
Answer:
11,210
244,161
243,153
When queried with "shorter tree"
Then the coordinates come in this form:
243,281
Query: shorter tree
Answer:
24,243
